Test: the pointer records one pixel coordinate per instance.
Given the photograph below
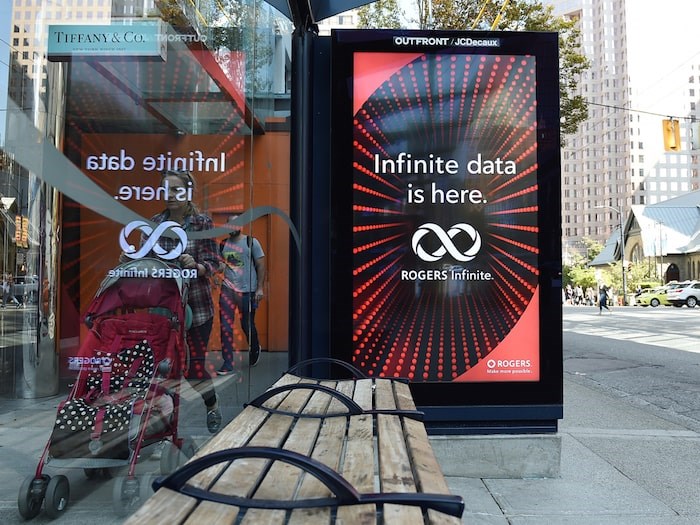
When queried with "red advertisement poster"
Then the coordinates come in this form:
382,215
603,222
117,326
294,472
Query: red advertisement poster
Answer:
445,216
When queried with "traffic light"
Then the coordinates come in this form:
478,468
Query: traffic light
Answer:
672,135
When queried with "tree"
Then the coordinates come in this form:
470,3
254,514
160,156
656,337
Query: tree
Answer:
514,15
639,274
593,248
580,275
578,272
383,14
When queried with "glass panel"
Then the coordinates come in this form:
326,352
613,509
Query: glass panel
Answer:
137,131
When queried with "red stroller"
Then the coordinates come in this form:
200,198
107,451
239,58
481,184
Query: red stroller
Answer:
126,395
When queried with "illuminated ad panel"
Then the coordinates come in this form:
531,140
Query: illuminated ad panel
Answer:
440,163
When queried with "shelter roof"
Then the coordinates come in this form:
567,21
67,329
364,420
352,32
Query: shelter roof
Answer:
610,252
671,226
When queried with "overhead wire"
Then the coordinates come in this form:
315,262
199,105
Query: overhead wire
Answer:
632,110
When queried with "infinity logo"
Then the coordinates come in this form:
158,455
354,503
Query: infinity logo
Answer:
445,238
152,241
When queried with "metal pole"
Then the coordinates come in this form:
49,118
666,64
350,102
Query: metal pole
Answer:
661,254
622,250
622,260
4,247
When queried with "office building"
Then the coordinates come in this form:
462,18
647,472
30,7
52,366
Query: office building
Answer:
643,69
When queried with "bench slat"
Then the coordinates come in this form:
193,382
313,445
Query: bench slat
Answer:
344,387
282,480
359,467
282,401
248,423
403,396
363,394
384,395
165,507
241,477
428,473
328,450
295,401
395,474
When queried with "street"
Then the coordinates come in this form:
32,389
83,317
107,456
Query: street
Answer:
17,325
649,355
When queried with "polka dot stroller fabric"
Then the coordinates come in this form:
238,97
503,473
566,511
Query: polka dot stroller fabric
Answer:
112,387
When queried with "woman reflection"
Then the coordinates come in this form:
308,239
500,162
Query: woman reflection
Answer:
199,254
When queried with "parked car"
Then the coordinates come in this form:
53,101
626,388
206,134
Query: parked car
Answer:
653,297
26,288
688,293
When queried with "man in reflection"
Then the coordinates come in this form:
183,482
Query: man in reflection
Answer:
8,284
243,263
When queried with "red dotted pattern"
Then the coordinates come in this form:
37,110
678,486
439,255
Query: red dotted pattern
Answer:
451,106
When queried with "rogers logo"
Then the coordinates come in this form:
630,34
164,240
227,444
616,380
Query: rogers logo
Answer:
152,241
508,363
445,238
76,362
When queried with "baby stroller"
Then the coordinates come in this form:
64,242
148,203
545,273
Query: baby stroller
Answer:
126,395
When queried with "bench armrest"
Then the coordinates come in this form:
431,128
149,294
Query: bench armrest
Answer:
353,408
345,493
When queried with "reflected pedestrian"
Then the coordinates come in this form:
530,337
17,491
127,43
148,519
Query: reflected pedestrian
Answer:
7,291
199,254
603,299
243,263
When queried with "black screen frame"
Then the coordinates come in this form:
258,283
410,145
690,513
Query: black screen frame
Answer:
459,401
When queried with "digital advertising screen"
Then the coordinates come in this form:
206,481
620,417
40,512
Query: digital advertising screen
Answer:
445,217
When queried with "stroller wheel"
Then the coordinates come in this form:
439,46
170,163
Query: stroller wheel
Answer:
126,496
172,457
57,496
31,496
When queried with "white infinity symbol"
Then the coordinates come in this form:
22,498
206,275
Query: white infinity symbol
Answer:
152,240
445,238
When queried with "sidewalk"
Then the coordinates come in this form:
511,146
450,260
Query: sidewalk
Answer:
619,466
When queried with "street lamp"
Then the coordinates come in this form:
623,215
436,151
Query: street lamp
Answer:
661,253
622,251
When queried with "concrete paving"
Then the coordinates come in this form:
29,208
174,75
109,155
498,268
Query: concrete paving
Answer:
618,464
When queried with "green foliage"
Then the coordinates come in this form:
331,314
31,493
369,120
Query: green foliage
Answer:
612,276
518,15
580,275
526,15
383,14
593,248
639,274
241,25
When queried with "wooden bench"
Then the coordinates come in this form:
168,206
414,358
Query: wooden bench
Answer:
307,452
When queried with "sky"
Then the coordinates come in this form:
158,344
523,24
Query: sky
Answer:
662,44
